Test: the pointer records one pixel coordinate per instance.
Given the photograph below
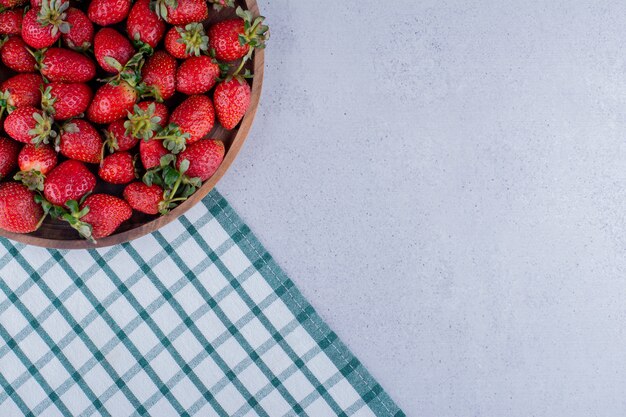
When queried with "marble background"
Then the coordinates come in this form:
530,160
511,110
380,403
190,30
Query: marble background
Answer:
446,183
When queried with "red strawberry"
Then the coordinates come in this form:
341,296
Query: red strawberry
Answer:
159,73
9,150
182,12
80,35
79,140
233,39
143,198
29,125
144,25
65,101
224,40
147,118
70,180
112,102
64,65
190,40
9,4
15,55
151,152
35,163
232,99
112,50
41,158
11,22
197,75
194,116
220,4
118,168
19,213
108,12
204,158
117,139
41,27
20,91
105,214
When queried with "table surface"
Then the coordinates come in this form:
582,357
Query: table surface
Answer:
446,182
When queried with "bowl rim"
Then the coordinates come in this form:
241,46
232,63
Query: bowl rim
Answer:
159,222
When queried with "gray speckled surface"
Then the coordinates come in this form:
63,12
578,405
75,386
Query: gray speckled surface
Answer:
445,181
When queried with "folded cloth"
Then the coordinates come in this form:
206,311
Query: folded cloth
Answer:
195,319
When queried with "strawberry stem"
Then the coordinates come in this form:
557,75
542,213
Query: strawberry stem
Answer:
142,124
5,100
53,13
160,7
73,217
47,101
194,38
42,132
173,138
33,179
243,62
255,32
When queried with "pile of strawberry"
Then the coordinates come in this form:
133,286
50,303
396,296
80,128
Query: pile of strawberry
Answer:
88,103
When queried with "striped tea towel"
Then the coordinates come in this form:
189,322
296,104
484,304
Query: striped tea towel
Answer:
196,319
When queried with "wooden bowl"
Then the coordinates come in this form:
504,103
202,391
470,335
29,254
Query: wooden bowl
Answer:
57,234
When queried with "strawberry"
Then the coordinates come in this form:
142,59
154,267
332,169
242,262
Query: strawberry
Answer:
183,42
197,75
148,117
151,152
79,140
235,38
41,158
80,35
224,40
16,56
194,116
29,125
70,180
112,102
108,12
182,12
144,198
103,214
143,25
9,150
35,163
118,168
232,99
19,213
41,27
64,65
20,91
9,4
112,50
11,22
64,101
159,74
117,139
220,4
204,158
